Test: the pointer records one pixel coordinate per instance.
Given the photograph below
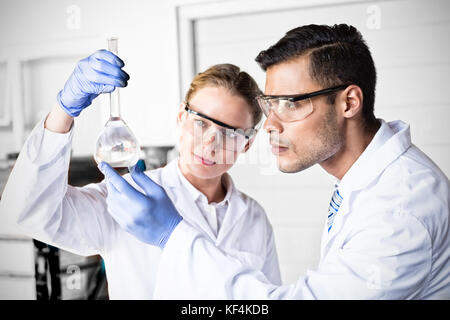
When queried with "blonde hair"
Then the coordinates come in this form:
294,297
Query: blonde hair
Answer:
230,77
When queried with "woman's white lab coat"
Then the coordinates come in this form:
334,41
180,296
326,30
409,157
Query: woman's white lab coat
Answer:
390,238
46,208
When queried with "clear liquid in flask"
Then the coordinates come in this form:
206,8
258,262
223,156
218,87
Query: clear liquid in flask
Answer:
117,145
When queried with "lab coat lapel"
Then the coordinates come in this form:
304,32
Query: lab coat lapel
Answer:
236,208
394,139
183,200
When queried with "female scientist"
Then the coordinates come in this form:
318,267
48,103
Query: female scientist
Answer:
217,122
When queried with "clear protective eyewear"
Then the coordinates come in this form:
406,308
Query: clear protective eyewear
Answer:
230,138
291,108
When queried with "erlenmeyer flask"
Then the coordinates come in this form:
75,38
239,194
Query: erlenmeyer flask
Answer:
116,144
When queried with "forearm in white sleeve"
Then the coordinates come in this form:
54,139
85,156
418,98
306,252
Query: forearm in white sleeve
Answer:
374,264
192,267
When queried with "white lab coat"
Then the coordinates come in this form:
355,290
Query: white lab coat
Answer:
46,208
389,240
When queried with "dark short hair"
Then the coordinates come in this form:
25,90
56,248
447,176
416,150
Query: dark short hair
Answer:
230,77
337,55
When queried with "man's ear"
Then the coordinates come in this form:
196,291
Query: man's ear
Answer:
353,103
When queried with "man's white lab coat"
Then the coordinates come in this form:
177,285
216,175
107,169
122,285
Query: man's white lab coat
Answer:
38,198
390,238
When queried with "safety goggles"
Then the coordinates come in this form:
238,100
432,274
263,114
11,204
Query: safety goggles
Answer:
291,108
203,127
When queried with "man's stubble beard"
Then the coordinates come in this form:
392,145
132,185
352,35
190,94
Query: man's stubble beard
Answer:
329,141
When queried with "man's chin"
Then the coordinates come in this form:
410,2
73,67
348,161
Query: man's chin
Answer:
292,166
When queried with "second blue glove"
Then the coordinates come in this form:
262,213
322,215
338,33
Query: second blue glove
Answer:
150,216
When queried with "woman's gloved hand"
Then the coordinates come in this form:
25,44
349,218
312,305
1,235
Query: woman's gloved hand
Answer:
99,73
150,216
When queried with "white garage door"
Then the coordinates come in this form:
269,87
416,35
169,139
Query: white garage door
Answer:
410,44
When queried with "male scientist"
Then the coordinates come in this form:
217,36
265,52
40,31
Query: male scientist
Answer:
387,234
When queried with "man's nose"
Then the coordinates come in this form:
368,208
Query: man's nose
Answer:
272,123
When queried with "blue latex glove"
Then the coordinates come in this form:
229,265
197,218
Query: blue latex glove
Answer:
99,73
150,217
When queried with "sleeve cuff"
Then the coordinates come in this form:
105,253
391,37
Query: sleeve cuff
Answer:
182,234
43,145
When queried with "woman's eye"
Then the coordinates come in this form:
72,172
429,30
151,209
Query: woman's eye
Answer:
230,134
199,123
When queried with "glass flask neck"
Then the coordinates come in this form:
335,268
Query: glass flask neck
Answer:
114,97
114,104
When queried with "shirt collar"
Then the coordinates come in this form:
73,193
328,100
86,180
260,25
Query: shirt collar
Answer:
390,141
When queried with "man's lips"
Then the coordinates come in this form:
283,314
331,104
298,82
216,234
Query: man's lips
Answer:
277,149
278,145
204,161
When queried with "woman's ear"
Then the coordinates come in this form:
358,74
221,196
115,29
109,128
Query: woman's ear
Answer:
180,113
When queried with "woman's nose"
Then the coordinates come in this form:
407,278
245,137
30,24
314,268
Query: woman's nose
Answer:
210,143
209,138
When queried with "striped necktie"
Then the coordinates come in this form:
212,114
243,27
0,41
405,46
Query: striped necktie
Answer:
335,203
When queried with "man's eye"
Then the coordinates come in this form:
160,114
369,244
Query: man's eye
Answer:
285,106
288,104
